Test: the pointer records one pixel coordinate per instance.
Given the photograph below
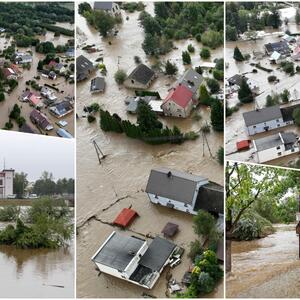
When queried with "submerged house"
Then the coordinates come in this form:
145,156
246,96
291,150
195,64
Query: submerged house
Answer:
23,58
184,191
97,85
275,146
40,120
268,118
132,103
84,68
132,259
112,8
236,80
282,47
6,183
61,109
140,78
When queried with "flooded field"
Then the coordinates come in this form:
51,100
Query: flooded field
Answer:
64,88
266,268
103,190
235,127
37,273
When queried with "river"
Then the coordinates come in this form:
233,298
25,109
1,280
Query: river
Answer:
124,172
235,128
266,268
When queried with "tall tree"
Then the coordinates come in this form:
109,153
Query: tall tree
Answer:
20,184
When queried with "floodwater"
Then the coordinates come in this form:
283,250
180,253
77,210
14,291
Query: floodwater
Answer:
266,268
65,89
235,127
103,190
36,273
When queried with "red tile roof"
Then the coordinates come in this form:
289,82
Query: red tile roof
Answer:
125,217
243,145
180,95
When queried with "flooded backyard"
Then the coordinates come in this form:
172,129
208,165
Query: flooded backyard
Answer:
235,127
120,181
64,88
266,268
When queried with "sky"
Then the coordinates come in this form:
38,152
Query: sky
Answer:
33,154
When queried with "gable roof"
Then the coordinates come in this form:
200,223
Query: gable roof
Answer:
237,79
180,95
103,5
83,66
262,115
191,80
97,84
142,74
288,137
287,112
41,119
281,47
118,251
174,185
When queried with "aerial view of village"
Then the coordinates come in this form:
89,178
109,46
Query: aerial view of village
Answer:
262,246
262,82
37,68
150,206
36,216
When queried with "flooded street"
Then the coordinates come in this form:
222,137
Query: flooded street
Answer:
266,268
103,190
235,127
36,273
65,89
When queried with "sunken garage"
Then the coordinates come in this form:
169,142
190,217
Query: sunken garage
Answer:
134,259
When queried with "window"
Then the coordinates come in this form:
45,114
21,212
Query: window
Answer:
185,205
279,153
1,181
254,126
278,125
132,81
278,148
293,150
277,121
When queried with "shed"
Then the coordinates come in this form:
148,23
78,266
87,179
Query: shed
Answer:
170,229
125,217
243,145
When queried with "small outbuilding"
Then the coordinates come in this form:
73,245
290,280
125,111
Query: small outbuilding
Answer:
140,78
170,230
125,217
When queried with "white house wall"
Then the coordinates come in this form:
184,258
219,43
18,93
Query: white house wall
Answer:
172,109
273,124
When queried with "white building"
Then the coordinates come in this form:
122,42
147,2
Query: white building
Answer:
184,192
112,8
132,259
275,146
6,183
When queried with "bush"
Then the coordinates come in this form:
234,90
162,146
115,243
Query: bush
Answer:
272,78
195,250
296,116
220,156
171,69
9,213
2,97
205,53
91,118
137,59
191,48
186,58
272,100
212,39
213,85
120,76
218,74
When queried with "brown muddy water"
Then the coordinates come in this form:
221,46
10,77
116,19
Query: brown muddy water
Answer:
235,127
36,273
266,268
103,190
65,89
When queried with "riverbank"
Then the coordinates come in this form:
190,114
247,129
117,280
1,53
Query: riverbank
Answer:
266,268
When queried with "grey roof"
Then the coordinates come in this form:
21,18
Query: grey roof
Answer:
157,254
211,198
118,251
282,47
287,112
237,79
103,5
191,80
83,67
262,115
268,142
173,184
142,74
289,137
97,84
134,101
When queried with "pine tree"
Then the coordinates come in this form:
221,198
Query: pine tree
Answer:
217,116
171,69
245,94
204,97
237,55
186,58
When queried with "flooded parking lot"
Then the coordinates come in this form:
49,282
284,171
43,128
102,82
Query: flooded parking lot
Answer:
235,126
103,190
266,268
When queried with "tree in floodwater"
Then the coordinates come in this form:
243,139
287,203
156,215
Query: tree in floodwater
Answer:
247,184
20,184
237,54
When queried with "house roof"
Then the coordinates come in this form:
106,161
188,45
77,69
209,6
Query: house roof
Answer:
191,80
211,198
118,251
34,99
40,118
157,254
237,79
287,112
268,142
180,95
103,5
26,129
125,217
142,74
288,137
62,107
275,55
97,84
262,115
83,65
174,185
281,47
